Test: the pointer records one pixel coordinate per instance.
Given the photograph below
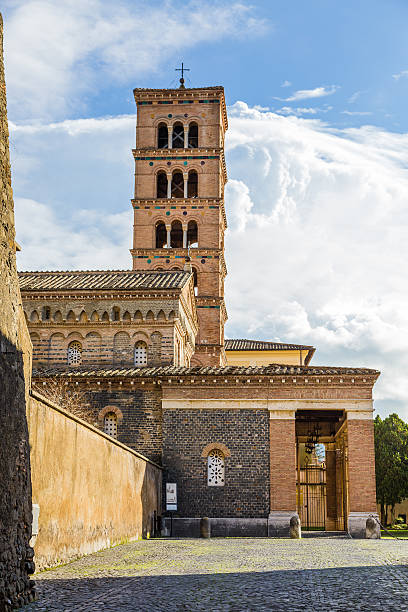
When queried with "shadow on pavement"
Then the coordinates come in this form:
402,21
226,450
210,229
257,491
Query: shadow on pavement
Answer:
351,589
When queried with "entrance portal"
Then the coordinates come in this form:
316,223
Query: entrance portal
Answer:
322,474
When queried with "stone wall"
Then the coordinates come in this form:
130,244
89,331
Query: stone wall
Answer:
15,349
245,433
92,490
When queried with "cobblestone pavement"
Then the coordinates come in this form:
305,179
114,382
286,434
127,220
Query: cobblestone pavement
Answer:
232,575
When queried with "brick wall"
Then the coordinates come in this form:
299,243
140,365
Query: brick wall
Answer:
283,464
245,433
141,427
361,466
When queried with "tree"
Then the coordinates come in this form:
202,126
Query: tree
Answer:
391,462
69,397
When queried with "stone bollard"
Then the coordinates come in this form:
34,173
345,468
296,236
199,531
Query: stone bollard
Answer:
372,529
205,527
295,528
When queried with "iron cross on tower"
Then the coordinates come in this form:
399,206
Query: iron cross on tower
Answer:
182,70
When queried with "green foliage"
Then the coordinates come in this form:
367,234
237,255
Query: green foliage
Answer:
391,459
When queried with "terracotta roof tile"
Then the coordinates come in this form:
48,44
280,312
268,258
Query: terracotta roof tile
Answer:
260,345
102,279
273,369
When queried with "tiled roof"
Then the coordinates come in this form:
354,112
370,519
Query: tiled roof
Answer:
260,345
174,371
102,279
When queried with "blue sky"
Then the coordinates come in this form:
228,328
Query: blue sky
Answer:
317,155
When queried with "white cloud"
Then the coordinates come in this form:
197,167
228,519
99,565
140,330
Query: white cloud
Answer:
399,75
288,110
354,97
306,94
316,239
356,113
59,53
286,84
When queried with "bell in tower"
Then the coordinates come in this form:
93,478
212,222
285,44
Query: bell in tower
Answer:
179,213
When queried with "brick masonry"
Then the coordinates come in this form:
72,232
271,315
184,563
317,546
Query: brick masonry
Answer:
245,433
361,466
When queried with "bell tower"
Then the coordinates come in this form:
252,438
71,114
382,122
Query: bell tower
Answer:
179,214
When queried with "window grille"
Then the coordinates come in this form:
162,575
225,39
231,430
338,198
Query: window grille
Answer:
216,468
140,354
74,353
111,424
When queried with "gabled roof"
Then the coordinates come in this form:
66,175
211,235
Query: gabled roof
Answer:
103,279
176,371
260,345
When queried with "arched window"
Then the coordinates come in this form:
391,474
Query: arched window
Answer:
195,276
74,353
162,136
176,236
105,316
58,316
177,185
215,468
140,354
115,313
178,136
161,235
110,424
192,184
34,318
193,136
46,313
161,185
192,234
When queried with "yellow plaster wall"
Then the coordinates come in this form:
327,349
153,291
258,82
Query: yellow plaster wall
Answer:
92,490
263,358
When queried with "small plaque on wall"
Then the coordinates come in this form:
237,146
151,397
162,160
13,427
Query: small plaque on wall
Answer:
171,496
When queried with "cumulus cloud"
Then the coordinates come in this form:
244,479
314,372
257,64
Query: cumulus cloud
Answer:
317,223
306,94
286,84
60,53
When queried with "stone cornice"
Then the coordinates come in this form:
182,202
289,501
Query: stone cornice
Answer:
158,96
176,203
153,154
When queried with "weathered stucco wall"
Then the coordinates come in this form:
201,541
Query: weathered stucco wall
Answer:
92,490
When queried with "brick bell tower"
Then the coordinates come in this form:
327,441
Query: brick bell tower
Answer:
179,214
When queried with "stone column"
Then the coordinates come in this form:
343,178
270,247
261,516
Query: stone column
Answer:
283,520
168,184
363,517
186,137
184,236
185,177
170,137
331,495
168,228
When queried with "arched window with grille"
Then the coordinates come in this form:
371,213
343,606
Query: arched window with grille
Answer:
192,136
110,424
215,468
140,353
178,136
74,356
161,184
177,185
162,136
192,184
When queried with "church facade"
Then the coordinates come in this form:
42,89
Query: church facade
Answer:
236,424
